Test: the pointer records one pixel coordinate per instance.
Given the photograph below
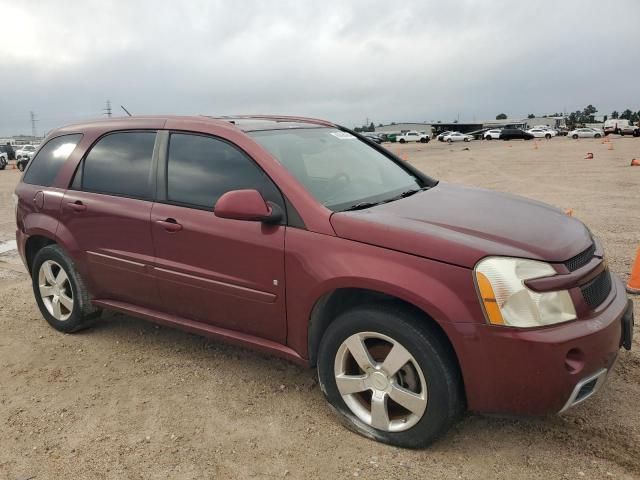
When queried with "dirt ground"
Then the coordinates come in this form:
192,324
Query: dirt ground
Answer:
128,399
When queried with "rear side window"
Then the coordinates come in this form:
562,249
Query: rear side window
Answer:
46,164
200,169
120,164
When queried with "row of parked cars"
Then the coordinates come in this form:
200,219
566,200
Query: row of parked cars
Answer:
22,155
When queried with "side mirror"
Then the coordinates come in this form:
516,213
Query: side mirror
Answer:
247,205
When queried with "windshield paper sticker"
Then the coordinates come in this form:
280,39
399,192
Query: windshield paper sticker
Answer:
342,135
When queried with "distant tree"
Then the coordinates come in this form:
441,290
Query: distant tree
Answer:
588,114
372,127
455,121
531,115
626,115
393,123
379,125
501,116
439,121
614,115
604,119
357,129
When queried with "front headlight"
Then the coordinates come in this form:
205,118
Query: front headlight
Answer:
507,300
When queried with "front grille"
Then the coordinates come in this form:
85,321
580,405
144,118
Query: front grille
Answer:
581,259
597,290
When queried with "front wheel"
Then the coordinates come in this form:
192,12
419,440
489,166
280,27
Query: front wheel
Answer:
20,166
575,137
402,140
423,140
449,140
466,139
548,136
389,376
597,135
488,137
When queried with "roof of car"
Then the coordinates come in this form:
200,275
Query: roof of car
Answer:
246,123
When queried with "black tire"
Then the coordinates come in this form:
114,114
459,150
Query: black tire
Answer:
466,139
20,166
433,354
402,140
449,140
597,135
575,137
423,140
488,137
548,136
83,311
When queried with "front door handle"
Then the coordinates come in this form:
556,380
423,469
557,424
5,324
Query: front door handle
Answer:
77,206
170,225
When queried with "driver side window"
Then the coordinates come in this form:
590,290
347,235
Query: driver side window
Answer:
201,168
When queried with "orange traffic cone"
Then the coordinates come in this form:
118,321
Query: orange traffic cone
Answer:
610,146
635,162
634,280
535,145
589,156
568,212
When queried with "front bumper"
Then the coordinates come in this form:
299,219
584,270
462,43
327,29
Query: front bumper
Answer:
536,372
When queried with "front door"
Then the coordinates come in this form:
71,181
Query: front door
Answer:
106,216
227,273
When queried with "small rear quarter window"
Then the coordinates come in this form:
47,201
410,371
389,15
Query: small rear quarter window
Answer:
45,165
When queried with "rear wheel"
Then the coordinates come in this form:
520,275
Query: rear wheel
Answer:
597,135
449,140
466,139
402,140
20,166
575,137
60,293
389,377
488,137
423,140
548,136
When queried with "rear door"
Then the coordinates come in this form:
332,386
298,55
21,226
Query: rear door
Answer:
107,212
227,273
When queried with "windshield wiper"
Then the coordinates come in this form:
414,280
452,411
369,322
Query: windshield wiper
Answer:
361,206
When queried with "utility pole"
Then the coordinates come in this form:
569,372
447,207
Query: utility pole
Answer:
33,124
107,110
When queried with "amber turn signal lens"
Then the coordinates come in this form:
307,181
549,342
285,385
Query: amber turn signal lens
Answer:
489,300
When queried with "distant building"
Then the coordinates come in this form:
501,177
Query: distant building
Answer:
405,127
19,140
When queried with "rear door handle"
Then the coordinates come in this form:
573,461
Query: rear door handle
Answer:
77,206
170,225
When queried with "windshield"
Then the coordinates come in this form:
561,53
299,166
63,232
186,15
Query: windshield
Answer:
338,169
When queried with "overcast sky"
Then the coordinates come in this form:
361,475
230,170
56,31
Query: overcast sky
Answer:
341,60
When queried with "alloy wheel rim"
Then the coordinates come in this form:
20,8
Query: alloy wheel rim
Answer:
380,381
55,290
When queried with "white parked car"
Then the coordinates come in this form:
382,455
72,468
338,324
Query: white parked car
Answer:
457,137
541,133
586,133
412,136
492,134
4,160
26,151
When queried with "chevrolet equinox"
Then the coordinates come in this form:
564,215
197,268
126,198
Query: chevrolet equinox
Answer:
415,299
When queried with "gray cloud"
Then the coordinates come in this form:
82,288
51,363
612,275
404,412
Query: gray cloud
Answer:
334,59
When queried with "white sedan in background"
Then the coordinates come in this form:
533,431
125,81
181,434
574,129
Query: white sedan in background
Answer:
457,137
26,151
492,134
586,133
541,133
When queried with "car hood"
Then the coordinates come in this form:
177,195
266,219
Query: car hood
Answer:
461,225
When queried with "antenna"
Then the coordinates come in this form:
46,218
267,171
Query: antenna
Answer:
33,124
125,110
107,109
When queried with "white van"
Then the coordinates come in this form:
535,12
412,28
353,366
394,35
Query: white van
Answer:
614,125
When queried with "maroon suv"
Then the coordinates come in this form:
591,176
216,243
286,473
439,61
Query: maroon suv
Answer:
415,299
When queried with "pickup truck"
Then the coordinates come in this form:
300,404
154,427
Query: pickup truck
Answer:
629,130
412,136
